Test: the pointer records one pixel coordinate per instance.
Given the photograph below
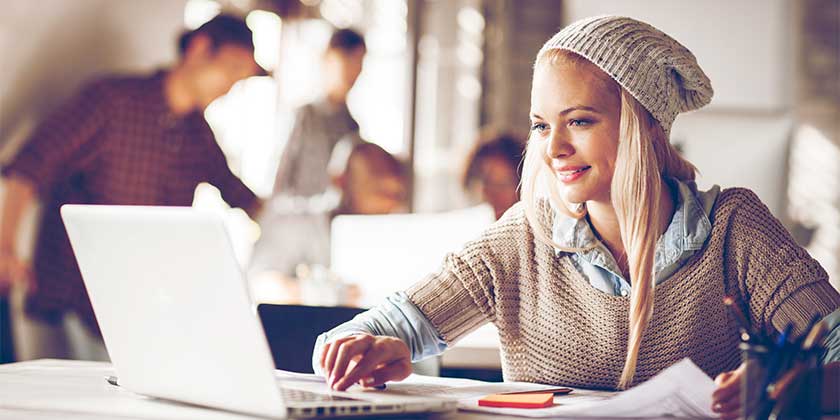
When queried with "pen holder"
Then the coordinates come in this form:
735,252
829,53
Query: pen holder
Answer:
797,375
754,402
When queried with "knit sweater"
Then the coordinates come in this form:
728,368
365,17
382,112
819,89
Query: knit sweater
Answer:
557,329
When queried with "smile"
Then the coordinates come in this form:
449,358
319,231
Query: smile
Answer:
567,176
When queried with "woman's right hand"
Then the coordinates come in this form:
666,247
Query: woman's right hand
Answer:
370,360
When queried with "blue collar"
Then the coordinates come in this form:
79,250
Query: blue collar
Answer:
687,232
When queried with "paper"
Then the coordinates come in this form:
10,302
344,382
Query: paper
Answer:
682,390
460,389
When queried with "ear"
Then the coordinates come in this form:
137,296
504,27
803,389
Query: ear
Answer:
199,46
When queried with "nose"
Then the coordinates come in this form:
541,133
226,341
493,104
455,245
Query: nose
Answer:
558,145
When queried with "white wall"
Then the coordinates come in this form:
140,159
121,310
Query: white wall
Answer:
745,47
51,46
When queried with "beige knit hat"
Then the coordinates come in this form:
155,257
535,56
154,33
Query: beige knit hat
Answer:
657,70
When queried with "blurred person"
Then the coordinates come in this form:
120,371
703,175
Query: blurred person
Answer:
130,140
320,125
372,182
493,170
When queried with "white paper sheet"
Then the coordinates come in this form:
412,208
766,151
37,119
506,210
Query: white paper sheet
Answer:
682,390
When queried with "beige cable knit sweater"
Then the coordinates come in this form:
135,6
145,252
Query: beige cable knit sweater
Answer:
555,328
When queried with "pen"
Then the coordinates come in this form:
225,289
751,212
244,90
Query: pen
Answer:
555,391
814,336
778,358
814,320
746,332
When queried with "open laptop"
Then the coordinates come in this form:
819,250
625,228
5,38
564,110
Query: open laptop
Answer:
178,321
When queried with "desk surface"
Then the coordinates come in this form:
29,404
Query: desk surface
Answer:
73,390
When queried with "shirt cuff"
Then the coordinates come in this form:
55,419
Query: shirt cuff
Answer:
832,339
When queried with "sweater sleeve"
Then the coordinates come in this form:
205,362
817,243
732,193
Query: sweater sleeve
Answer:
779,280
462,296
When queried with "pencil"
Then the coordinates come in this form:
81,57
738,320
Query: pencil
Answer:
743,323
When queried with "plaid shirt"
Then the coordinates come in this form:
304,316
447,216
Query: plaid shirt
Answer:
115,142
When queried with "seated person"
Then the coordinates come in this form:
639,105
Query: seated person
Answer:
493,170
296,230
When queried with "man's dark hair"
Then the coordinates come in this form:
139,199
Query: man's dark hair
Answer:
346,40
222,29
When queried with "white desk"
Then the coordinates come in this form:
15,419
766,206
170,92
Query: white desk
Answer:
72,390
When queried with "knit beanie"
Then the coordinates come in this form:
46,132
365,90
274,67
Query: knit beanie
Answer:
657,70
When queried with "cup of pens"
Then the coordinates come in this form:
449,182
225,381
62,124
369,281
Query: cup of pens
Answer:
781,377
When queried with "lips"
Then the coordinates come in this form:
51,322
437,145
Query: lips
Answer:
571,173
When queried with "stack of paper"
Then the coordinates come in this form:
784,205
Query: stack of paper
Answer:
682,390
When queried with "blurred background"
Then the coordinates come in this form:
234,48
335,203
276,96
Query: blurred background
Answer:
438,76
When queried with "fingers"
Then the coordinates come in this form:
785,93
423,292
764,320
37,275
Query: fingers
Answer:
323,357
729,384
383,352
726,399
394,371
728,409
374,356
331,353
723,377
355,349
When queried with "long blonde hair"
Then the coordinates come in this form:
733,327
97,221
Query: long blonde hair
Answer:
644,157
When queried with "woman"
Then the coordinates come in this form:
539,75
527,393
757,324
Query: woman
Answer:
622,270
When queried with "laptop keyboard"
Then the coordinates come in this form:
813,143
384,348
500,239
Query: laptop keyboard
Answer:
299,396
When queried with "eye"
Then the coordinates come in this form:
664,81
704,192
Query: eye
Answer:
580,123
539,127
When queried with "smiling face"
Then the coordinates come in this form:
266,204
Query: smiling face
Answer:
575,118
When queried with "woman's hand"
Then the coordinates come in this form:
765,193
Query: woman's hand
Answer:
371,360
726,400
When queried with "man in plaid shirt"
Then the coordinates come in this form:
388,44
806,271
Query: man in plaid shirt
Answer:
122,140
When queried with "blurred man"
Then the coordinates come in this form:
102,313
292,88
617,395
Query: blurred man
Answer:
120,140
319,126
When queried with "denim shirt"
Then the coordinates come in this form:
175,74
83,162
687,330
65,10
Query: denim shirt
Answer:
685,235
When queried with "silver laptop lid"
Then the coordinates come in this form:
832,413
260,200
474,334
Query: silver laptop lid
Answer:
173,307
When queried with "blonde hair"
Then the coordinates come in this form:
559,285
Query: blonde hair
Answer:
644,157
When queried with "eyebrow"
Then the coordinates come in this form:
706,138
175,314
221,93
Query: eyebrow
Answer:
574,108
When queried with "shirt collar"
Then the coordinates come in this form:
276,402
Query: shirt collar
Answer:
688,230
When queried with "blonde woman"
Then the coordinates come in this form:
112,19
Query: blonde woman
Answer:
613,266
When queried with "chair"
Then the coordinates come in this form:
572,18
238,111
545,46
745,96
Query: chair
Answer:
291,331
6,346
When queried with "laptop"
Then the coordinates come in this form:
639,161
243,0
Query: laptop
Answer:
179,324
